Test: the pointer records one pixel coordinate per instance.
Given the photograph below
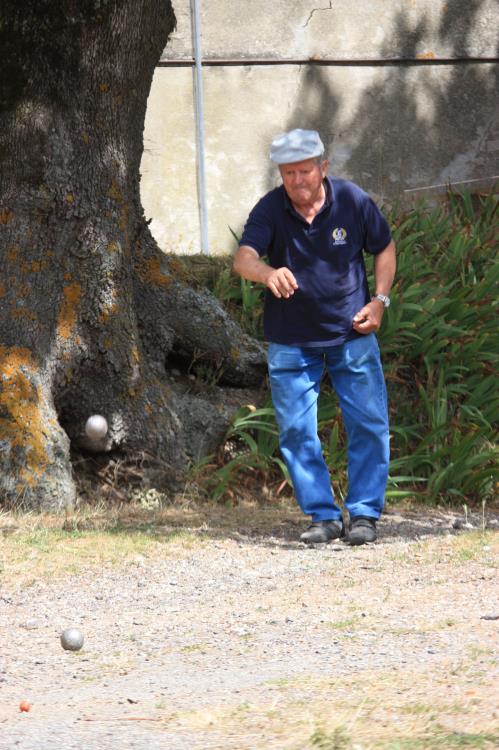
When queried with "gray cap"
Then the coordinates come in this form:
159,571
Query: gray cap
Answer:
296,145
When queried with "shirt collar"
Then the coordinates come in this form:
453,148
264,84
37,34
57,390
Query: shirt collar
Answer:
328,187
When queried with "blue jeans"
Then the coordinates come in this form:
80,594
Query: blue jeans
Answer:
357,376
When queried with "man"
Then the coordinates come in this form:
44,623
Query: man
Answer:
319,313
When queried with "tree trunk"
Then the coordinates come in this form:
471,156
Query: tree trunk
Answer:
89,306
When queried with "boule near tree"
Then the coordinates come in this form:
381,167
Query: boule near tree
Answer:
96,427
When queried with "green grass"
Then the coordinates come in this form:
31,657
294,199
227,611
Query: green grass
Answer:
446,741
338,739
45,551
342,624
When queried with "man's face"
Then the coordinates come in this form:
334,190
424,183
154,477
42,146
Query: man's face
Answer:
302,180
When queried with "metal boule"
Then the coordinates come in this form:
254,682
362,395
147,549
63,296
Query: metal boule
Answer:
72,639
96,427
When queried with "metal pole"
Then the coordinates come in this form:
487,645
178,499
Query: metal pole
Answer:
200,137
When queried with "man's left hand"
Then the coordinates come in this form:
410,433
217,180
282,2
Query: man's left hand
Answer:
369,318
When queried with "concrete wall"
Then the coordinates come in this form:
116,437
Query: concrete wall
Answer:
392,116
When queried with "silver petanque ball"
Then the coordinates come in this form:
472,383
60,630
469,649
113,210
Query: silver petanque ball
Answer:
96,427
72,639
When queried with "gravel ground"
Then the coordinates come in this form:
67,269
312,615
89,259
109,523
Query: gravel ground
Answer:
248,640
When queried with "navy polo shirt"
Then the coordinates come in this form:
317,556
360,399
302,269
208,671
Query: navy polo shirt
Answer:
326,258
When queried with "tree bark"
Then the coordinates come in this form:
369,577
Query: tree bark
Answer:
89,306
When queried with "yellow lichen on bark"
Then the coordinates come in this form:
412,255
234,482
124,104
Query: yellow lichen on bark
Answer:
149,271
115,193
234,353
68,312
22,424
123,223
22,313
116,102
39,265
108,310
5,215
12,254
34,267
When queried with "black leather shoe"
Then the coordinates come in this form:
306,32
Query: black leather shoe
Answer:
361,530
322,532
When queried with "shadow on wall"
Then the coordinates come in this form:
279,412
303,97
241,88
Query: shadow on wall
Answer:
412,118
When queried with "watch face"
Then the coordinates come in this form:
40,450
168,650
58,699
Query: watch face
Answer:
384,299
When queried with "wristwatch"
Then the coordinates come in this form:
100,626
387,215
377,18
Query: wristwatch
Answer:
383,298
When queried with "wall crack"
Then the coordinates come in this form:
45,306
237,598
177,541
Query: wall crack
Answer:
317,10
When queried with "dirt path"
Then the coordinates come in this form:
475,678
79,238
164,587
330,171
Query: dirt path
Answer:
239,637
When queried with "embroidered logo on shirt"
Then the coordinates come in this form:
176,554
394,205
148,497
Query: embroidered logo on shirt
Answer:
339,236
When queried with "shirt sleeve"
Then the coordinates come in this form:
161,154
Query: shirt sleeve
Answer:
258,231
377,234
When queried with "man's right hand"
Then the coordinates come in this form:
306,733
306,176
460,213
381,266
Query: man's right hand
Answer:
248,264
281,282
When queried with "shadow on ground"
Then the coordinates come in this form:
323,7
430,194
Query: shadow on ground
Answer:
273,526
270,524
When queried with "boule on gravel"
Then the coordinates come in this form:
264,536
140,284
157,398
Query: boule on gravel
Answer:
72,639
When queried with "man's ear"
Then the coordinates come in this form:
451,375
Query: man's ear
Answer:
324,167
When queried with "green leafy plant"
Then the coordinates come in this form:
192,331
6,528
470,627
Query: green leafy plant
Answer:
250,447
243,299
439,344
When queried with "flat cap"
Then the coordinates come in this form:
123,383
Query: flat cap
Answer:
296,145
